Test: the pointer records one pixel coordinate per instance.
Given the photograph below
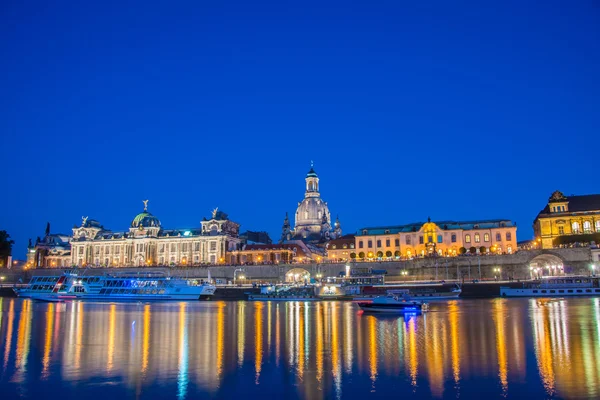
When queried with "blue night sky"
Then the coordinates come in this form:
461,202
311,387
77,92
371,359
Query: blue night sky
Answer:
454,110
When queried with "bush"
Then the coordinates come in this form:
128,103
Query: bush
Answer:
482,250
473,250
361,255
353,255
462,250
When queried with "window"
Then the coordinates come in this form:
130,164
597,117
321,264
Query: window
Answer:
498,237
598,226
429,238
467,238
173,247
508,236
407,240
369,243
387,242
587,227
575,227
333,247
107,249
420,239
97,250
509,249
213,246
477,238
118,250
184,247
486,237
197,246
360,244
80,250
561,230
440,239
453,238
378,243
365,232
397,242
161,248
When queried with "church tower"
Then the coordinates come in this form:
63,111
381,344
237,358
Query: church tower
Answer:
286,230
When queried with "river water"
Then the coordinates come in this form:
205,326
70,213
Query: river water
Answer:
469,349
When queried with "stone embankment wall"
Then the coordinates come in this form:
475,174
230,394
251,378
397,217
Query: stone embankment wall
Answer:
515,266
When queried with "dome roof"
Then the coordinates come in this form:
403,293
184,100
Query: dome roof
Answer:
310,211
145,220
311,173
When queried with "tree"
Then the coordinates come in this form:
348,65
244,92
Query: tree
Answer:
482,250
473,250
462,250
361,255
5,248
353,255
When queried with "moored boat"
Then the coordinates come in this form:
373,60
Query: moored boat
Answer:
119,287
555,286
284,293
393,304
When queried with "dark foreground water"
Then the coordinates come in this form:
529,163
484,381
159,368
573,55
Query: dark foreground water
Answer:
469,349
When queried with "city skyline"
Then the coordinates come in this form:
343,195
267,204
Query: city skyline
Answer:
407,113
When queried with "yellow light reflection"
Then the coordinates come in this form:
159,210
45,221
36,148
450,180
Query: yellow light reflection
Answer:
220,337
348,337
372,349
499,314
48,340
277,336
258,338
543,347
453,316
23,337
241,332
300,337
335,352
146,339
112,315
413,357
78,335
9,331
182,376
319,341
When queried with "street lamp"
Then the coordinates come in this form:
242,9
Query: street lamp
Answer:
497,271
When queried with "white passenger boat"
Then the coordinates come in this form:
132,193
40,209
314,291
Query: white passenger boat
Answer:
393,304
120,287
555,286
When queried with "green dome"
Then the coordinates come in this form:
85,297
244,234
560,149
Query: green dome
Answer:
145,220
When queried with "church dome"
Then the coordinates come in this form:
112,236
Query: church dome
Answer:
145,220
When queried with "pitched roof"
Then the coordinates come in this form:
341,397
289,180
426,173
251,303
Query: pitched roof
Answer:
445,225
586,202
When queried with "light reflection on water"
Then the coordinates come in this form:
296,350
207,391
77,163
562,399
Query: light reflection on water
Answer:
466,349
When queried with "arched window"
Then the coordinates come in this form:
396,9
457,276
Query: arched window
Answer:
467,238
587,227
597,226
486,237
310,186
477,238
575,227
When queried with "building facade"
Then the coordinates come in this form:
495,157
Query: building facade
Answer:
146,243
312,218
340,249
444,238
568,221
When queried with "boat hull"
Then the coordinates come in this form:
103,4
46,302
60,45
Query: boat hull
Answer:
558,292
391,308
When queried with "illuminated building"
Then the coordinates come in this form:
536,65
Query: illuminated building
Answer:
446,238
145,243
568,220
312,218
341,248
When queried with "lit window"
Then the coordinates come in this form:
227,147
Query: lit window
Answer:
587,227
477,238
561,230
467,238
486,237
575,227
597,226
